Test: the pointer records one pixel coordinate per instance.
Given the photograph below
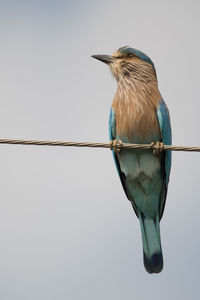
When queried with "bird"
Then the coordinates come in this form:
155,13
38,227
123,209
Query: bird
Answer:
139,115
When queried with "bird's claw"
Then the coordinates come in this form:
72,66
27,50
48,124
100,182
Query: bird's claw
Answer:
157,147
116,146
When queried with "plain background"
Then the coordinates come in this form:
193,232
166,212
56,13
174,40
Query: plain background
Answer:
66,228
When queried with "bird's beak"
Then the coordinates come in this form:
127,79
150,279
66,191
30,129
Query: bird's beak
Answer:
107,59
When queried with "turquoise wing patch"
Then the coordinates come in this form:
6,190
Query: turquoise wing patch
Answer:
112,126
165,128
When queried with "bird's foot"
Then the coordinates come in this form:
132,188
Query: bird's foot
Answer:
157,147
116,145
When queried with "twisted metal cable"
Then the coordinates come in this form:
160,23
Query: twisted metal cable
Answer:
113,145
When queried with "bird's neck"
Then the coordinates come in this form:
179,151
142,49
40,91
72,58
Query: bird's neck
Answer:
135,80
134,89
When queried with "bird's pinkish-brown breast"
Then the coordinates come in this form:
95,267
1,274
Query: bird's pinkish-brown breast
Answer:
135,114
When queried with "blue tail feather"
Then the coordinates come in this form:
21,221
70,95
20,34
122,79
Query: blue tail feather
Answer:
153,258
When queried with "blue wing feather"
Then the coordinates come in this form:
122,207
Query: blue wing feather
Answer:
112,125
166,135
112,135
165,128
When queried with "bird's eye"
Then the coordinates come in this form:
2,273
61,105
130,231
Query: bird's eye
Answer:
130,55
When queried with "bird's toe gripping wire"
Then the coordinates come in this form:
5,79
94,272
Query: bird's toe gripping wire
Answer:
157,147
116,146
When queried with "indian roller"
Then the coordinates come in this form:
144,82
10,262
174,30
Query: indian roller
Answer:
139,115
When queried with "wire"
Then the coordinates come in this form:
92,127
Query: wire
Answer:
113,145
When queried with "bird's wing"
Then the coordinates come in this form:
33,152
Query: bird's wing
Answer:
113,136
165,129
112,125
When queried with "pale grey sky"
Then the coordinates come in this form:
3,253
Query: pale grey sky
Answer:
67,230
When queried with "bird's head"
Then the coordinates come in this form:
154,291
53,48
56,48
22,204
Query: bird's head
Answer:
131,63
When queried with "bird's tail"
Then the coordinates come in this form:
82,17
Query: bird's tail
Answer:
153,258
